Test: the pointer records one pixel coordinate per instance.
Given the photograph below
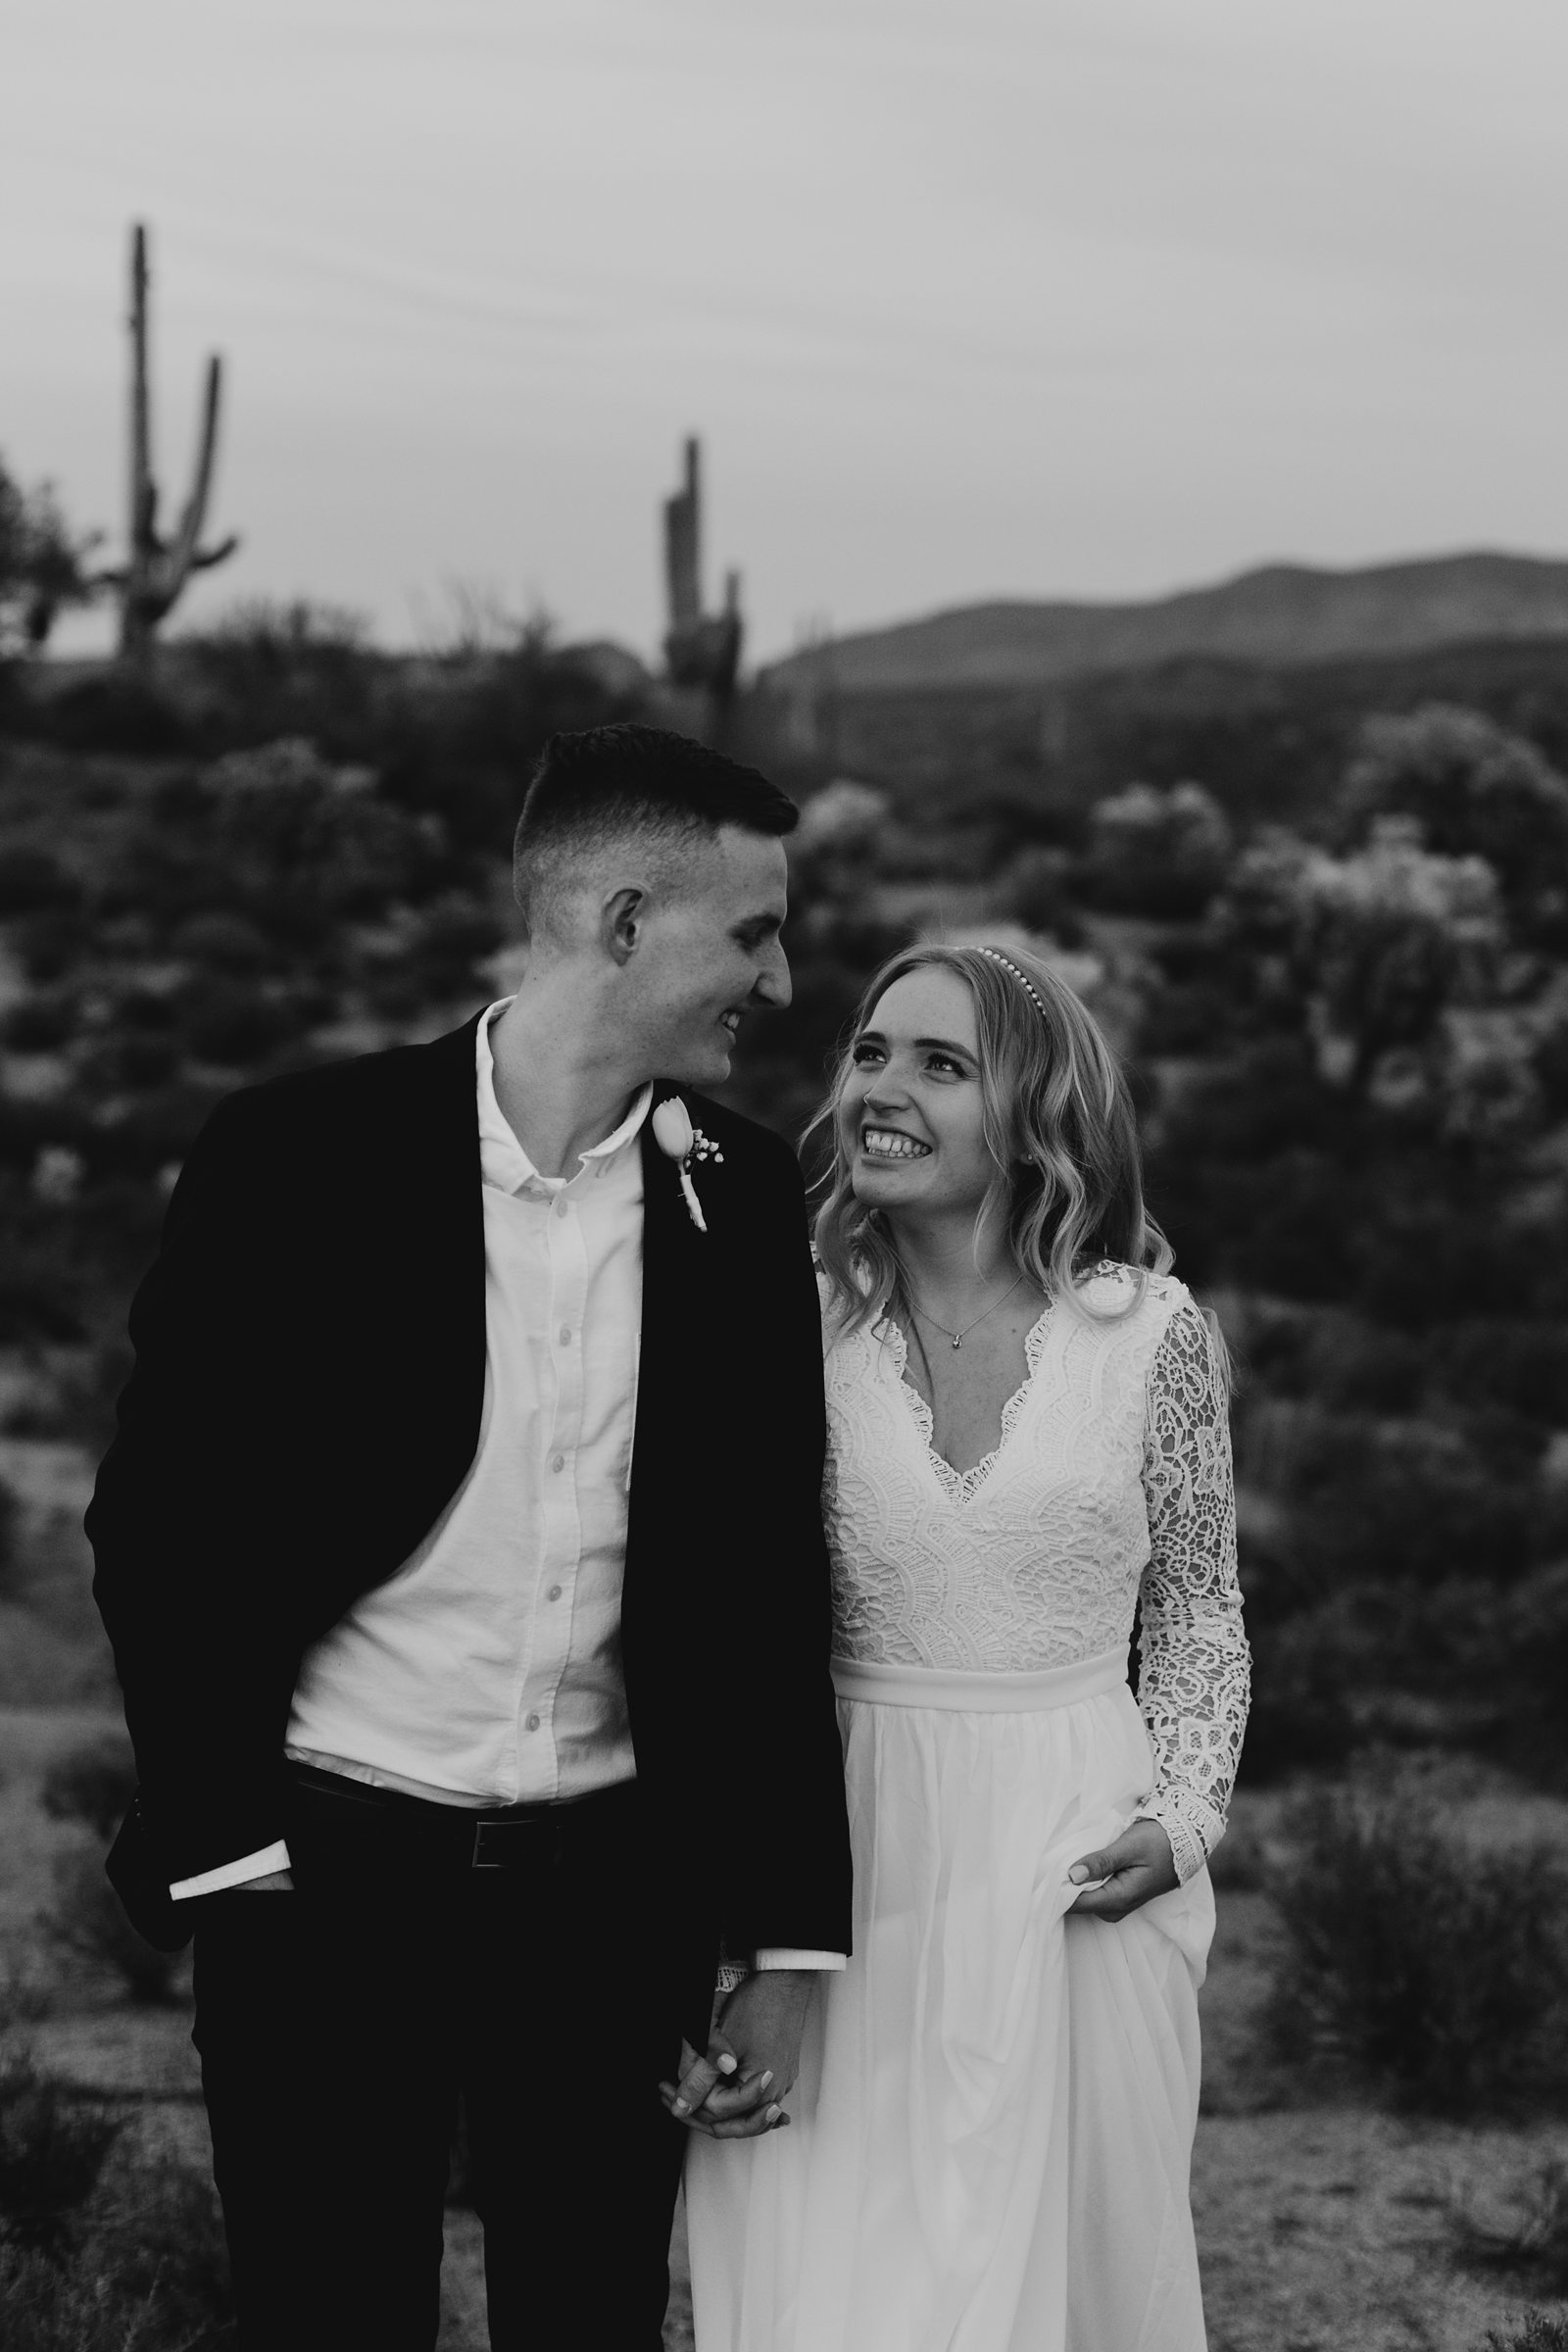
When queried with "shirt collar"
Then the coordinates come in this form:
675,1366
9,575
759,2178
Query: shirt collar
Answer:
502,1162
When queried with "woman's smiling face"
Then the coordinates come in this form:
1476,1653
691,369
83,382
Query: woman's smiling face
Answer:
911,1112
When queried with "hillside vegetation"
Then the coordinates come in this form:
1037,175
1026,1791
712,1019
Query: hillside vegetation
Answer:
1348,1044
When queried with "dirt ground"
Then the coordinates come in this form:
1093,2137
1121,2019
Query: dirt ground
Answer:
1322,2226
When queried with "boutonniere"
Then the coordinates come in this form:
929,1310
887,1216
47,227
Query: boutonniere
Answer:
683,1143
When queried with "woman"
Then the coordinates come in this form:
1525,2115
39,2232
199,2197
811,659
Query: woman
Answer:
1027,1441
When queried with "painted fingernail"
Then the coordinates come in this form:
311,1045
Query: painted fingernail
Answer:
773,2114
1078,1874
727,2064
766,2078
682,2107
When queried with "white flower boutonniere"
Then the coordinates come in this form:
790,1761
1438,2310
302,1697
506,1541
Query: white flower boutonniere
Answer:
683,1143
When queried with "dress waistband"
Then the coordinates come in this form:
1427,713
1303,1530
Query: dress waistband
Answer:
979,1693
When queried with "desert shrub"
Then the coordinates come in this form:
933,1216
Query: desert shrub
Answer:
1532,1635
1239,1864
301,843
141,1012
1389,1500
51,943
1493,1659
1471,787
157,2233
53,2150
1535,2246
1536,2331
454,932
268,669
11,1573
459,739
128,1063
1037,891
27,1984
1363,1367
1433,1967
41,1273
234,1023
41,1023
153,1134
31,878
228,943
87,1919
1184,1018
1300,1714
113,712
1154,852
94,1784
1514,1362
140,2267
44,2308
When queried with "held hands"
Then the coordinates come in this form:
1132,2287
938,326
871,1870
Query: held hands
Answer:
736,2090
1136,1867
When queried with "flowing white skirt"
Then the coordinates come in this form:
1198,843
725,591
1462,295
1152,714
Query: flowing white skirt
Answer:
990,2138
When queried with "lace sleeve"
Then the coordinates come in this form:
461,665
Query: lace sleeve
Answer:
1194,1667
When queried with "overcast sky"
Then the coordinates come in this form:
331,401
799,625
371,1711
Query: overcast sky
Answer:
966,297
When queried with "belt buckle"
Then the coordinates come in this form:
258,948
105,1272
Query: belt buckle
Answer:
493,1843
486,1832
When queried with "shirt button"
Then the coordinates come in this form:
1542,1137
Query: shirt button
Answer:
565,1335
553,1593
558,1461
562,1208
533,1723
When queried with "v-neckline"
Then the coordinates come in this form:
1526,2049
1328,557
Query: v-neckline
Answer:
961,1486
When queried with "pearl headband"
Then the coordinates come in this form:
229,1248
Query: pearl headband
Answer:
995,956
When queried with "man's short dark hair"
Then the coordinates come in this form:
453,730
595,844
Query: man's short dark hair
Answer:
596,786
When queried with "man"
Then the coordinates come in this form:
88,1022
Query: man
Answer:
462,1557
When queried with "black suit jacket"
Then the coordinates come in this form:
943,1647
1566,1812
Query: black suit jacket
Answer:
306,1399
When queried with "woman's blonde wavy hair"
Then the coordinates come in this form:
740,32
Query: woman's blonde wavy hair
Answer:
1058,1120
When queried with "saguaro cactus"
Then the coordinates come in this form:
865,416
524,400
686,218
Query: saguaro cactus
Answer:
157,569
701,650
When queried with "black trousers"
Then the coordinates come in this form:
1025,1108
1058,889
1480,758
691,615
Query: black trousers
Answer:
338,2026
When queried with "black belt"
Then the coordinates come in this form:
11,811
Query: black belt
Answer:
498,1839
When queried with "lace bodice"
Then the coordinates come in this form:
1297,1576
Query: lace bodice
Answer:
1110,1485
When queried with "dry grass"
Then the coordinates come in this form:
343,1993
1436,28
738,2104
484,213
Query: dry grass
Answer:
1327,2229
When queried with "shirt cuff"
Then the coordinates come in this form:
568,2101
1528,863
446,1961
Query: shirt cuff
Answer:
234,1874
781,1956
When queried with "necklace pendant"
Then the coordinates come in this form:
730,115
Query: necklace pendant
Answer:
959,1343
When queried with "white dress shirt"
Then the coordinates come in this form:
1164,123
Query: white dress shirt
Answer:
486,1671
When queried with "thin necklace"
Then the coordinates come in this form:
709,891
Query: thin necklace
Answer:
959,1337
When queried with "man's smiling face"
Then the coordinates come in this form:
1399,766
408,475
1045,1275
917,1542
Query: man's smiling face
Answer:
709,953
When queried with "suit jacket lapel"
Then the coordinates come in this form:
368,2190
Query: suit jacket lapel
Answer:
676,1338
430,1270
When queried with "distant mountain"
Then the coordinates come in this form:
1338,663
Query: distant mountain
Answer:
1284,614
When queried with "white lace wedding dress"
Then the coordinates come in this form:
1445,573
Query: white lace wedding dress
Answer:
990,2134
